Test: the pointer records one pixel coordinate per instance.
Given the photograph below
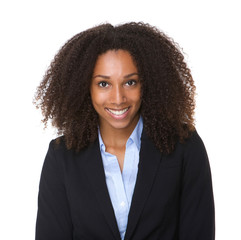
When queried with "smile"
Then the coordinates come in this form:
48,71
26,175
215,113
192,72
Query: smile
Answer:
118,112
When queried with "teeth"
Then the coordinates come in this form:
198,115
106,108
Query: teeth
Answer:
119,112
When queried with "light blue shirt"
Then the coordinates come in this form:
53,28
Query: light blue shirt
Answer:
121,185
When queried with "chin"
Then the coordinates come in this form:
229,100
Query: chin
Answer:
123,124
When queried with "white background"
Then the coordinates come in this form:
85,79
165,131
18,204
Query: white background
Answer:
31,34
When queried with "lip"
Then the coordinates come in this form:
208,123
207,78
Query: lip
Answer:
111,111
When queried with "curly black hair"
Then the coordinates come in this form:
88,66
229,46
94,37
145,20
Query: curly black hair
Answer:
167,86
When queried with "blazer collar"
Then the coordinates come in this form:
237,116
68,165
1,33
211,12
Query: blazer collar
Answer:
96,176
148,164
150,158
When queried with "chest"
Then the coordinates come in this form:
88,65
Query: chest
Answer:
90,201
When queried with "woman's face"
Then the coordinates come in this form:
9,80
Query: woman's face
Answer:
116,90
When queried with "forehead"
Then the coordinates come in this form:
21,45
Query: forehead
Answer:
114,61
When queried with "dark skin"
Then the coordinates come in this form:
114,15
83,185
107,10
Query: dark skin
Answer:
116,96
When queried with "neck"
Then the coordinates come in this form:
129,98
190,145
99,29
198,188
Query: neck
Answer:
114,137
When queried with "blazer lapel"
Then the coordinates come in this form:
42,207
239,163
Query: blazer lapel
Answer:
149,161
96,176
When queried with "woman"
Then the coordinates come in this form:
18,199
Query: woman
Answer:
129,163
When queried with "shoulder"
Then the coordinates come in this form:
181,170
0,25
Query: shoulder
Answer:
195,156
190,153
190,145
59,159
194,143
59,150
58,143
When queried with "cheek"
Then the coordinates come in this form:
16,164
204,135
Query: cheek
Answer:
97,99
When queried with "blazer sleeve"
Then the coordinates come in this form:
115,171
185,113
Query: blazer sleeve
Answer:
197,219
53,217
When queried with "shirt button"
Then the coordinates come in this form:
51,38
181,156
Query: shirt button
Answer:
122,204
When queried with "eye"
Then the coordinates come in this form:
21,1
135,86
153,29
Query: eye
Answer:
131,83
103,84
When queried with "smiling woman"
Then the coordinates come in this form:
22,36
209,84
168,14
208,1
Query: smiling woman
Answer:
116,96
129,163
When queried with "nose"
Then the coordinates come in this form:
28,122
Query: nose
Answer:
118,95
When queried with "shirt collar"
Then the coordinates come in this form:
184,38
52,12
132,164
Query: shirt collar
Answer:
135,136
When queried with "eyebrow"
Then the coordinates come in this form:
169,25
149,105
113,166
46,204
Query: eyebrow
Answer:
125,77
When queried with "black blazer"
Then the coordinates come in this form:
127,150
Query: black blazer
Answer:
172,200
